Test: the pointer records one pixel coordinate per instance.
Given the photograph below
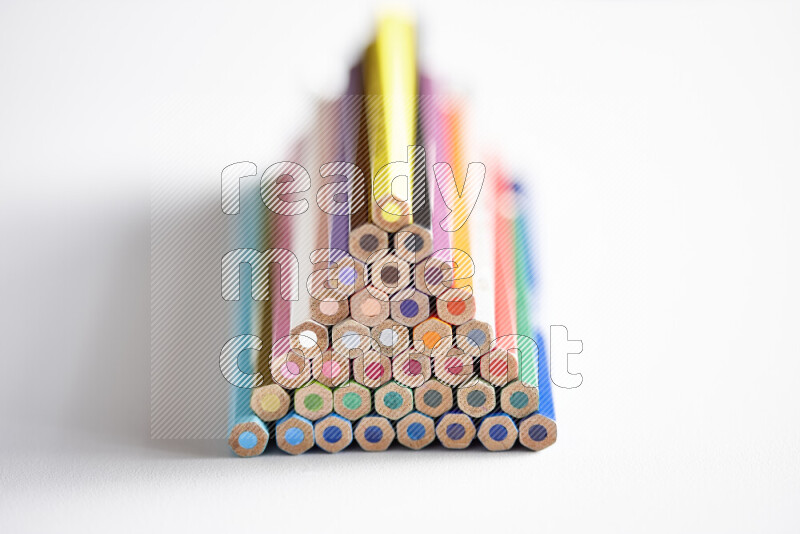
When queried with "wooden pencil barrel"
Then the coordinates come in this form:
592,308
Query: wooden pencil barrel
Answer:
455,367
390,338
433,336
366,240
433,398
409,307
370,306
476,399
455,306
474,337
294,434
499,367
374,433
416,431
270,402
537,432
372,369
350,338
455,430
411,368
249,437
413,243
519,400
313,401
497,432
352,400
333,433
390,274
393,400
309,333
330,369
330,309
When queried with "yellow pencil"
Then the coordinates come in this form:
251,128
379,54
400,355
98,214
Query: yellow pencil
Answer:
390,81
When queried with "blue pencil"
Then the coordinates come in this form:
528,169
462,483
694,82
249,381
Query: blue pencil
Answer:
333,433
455,430
498,432
416,431
539,430
374,433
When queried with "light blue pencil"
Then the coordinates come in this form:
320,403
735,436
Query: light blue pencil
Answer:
248,436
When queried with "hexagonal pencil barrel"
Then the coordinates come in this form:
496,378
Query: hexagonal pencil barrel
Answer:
455,430
294,434
249,437
333,433
313,401
415,431
374,433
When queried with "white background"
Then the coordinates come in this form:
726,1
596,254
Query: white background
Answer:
662,138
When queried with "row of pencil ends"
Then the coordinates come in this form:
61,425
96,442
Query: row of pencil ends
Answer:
332,419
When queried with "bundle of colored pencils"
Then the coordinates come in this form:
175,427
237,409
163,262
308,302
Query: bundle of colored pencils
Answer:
415,324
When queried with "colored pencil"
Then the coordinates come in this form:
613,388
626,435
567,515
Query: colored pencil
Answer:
350,338
538,431
519,400
409,307
455,368
368,243
309,333
330,369
455,430
270,402
498,432
390,274
452,150
416,431
390,78
393,400
289,367
433,336
330,308
390,338
313,401
506,295
369,306
413,243
499,367
411,368
249,437
352,400
374,433
333,433
334,197
530,354
476,399
433,398
455,306
294,434
372,369
474,337
345,273
434,275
